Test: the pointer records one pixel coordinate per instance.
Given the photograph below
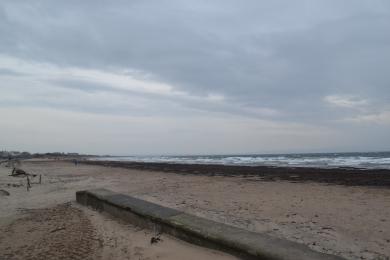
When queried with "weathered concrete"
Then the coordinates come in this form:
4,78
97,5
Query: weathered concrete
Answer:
200,231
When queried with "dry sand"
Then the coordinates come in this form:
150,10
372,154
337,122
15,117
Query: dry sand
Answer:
46,223
353,222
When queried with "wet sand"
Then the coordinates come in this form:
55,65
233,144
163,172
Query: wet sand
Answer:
350,221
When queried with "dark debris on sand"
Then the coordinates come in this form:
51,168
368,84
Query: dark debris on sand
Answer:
341,176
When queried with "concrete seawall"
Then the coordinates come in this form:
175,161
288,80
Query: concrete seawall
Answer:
196,230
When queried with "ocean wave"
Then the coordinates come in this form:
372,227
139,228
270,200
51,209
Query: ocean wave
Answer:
362,160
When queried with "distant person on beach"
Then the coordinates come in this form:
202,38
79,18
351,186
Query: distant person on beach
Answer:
75,162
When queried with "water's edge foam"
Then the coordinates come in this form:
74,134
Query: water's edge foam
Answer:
379,160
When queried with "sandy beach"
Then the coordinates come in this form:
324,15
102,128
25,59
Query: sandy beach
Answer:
349,221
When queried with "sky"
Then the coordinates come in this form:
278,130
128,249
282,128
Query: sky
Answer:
194,77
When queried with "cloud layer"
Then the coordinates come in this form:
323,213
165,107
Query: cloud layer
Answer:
317,66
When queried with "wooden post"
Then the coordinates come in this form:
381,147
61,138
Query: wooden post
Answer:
28,184
40,179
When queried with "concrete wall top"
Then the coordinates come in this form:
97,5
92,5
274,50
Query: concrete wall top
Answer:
259,246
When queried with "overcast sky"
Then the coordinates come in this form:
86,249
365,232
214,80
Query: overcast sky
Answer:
194,77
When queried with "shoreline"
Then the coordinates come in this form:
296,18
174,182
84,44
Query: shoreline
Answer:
339,176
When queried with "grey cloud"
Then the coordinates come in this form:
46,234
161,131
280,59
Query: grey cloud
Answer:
236,50
8,72
213,47
278,55
86,86
161,104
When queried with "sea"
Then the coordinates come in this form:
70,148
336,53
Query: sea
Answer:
366,160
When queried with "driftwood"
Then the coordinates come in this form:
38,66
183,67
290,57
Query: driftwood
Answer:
57,229
20,172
